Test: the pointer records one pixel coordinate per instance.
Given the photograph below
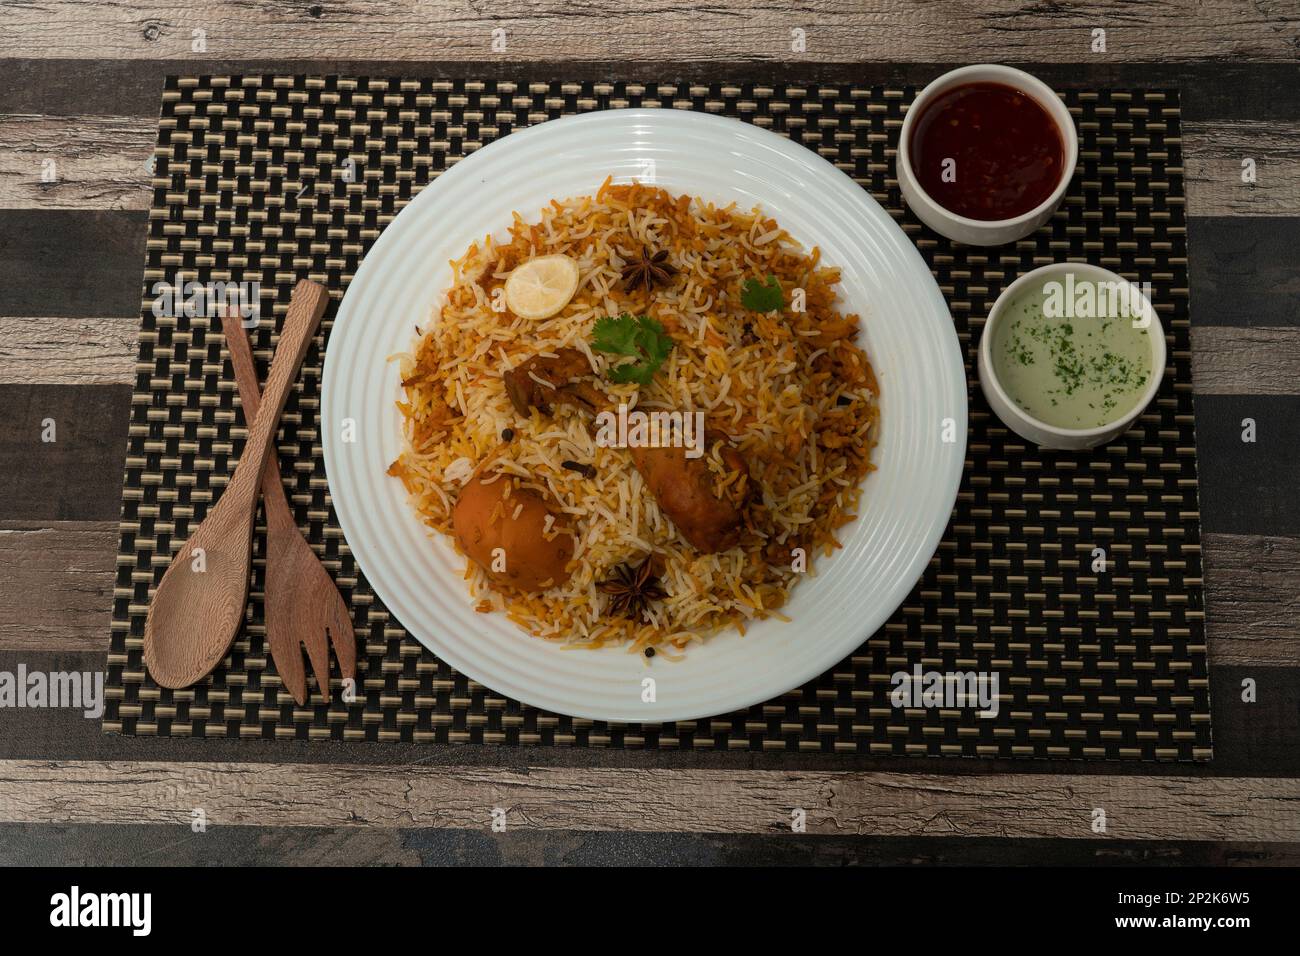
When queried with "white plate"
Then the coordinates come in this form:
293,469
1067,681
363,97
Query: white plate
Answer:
906,330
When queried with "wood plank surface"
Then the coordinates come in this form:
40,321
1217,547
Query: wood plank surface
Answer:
1243,271
63,449
893,30
1213,155
1248,463
122,844
65,262
1255,735
75,162
56,582
651,800
1212,90
1244,361
81,90
98,163
1253,599
46,350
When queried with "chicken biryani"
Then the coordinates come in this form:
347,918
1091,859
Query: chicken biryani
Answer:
640,417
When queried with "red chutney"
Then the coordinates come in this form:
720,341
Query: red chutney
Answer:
1006,146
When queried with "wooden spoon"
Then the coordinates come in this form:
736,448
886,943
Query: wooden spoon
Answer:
303,607
198,606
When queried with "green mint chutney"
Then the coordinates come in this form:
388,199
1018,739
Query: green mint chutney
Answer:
1070,372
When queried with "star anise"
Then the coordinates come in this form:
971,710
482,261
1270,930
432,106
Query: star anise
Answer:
648,270
631,590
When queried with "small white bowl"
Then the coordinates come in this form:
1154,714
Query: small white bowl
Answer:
1020,421
980,232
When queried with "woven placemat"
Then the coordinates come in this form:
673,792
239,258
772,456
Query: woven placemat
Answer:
253,182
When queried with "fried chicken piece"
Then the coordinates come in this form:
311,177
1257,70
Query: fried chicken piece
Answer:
684,487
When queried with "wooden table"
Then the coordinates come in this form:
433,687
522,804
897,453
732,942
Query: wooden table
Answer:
81,87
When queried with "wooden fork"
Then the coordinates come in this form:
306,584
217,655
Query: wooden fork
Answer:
302,604
198,606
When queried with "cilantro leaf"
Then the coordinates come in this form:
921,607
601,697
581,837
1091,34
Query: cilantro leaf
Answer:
642,338
616,335
760,295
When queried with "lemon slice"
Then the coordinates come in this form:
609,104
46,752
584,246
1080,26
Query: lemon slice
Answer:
540,287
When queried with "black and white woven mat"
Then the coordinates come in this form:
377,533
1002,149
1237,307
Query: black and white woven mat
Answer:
276,178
